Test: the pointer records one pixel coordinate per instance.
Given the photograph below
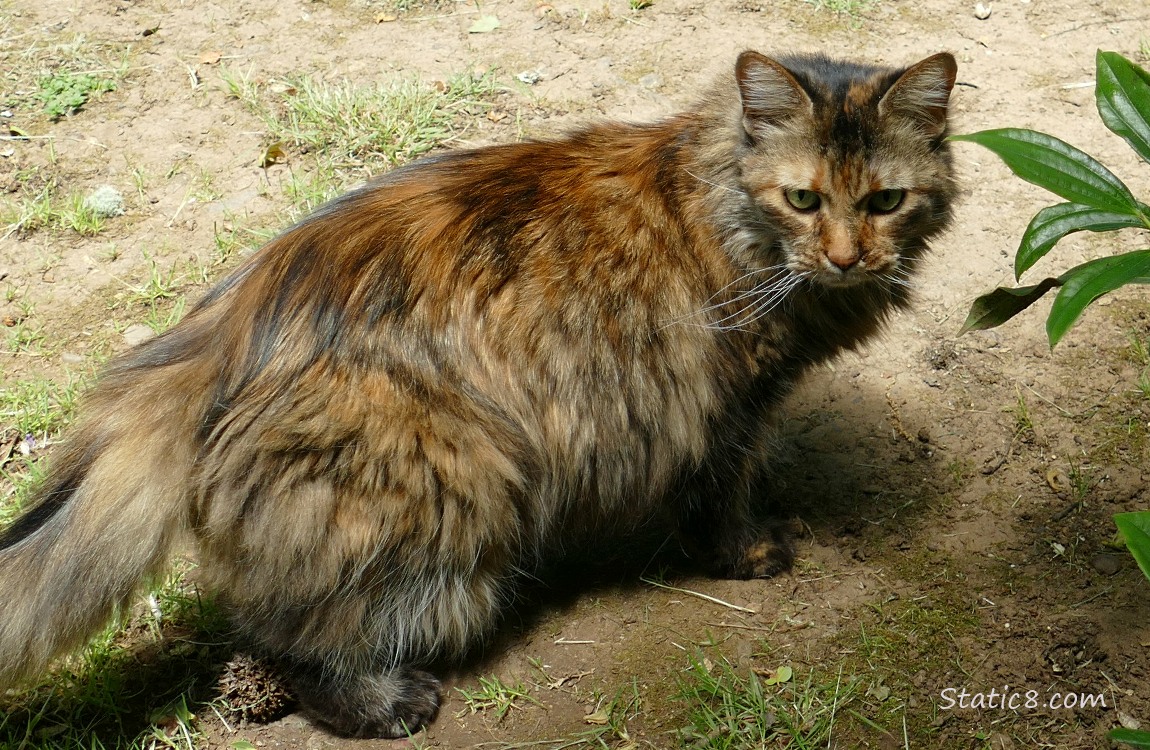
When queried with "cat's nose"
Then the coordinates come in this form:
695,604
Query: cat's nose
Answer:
843,256
839,245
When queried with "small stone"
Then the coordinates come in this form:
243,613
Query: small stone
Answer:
982,11
1128,721
1105,564
137,333
651,81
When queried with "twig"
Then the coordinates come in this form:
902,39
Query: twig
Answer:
1087,601
740,627
1065,413
700,595
1099,23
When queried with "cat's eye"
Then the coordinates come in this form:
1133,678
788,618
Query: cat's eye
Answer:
803,200
885,201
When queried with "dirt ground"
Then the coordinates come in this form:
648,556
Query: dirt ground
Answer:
955,492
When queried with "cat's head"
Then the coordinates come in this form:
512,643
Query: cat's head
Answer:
848,162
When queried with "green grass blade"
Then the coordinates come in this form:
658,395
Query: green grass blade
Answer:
1085,283
1135,528
1057,166
1052,224
995,308
1123,96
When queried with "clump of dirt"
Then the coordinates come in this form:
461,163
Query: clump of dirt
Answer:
251,691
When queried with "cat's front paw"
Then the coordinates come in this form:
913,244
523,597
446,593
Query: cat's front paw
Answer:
765,558
759,555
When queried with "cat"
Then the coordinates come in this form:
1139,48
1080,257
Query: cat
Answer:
381,423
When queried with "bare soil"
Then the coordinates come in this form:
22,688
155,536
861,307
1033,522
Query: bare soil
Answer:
955,493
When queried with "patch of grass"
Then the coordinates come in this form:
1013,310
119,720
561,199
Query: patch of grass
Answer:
730,710
24,338
162,317
236,236
609,719
136,687
39,407
357,126
45,208
906,641
32,412
64,92
1023,420
407,6
309,190
495,695
843,7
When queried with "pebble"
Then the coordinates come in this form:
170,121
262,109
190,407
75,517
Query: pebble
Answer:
1105,564
982,11
137,333
651,81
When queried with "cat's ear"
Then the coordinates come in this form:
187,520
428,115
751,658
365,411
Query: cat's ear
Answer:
922,92
770,95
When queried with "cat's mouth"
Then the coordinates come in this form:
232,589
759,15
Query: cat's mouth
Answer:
858,274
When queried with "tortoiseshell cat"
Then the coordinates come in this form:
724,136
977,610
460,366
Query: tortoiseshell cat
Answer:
375,428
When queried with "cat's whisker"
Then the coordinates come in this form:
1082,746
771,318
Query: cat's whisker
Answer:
758,292
754,291
775,268
768,297
705,181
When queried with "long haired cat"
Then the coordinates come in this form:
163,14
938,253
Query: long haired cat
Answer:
373,430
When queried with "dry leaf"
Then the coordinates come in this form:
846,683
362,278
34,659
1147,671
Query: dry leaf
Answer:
483,24
273,154
496,115
385,17
599,717
211,57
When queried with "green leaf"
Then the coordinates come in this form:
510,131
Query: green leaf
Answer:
781,675
1085,283
1123,96
1135,528
995,308
243,745
1057,166
483,25
1132,737
1055,222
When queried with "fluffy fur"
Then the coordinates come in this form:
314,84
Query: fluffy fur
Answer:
374,428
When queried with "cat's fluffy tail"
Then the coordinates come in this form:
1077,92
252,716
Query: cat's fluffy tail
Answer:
107,518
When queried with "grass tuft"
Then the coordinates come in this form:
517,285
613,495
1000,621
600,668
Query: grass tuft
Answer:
354,126
730,711
496,696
